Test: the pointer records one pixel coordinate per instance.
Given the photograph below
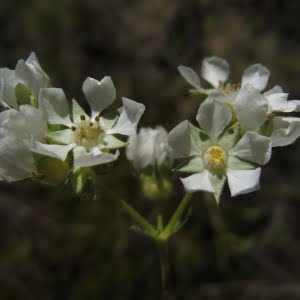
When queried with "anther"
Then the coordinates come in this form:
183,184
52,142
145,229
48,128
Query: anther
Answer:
82,117
91,124
73,128
97,118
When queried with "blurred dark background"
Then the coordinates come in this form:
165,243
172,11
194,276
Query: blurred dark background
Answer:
55,245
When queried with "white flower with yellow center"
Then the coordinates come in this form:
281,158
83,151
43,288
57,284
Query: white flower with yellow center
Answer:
91,138
218,151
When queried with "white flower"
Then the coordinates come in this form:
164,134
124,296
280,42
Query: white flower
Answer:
215,70
90,138
28,73
17,130
217,152
148,148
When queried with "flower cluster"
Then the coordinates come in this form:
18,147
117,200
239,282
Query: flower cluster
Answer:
239,125
36,123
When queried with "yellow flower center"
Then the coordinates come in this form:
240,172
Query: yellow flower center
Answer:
215,158
88,134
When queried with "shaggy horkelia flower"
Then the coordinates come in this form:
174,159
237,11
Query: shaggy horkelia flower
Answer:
246,97
215,70
29,75
219,150
91,138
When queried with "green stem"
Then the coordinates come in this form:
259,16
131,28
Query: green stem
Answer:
169,229
138,218
134,214
166,286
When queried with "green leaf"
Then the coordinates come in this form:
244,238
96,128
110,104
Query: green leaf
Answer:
24,95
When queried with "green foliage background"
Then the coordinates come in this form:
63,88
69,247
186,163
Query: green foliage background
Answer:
55,245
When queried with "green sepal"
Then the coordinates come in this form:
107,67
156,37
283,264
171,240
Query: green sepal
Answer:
193,164
217,181
200,138
50,170
24,96
55,127
108,121
230,137
203,94
111,142
267,128
81,178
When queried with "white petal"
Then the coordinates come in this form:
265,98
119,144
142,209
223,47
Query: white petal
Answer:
99,94
54,103
243,181
32,59
253,147
16,161
8,84
82,158
56,151
257,75
251,108
129,118
198,182
190,76
32,77
215,70
296,104
285,131
278,102
213,116
181,141
36,125
275,90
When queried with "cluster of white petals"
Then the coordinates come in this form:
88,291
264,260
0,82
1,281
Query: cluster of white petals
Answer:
148,148
91,138
238,127
36,119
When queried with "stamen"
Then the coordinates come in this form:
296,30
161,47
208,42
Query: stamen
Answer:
73,128
82,117
97,118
